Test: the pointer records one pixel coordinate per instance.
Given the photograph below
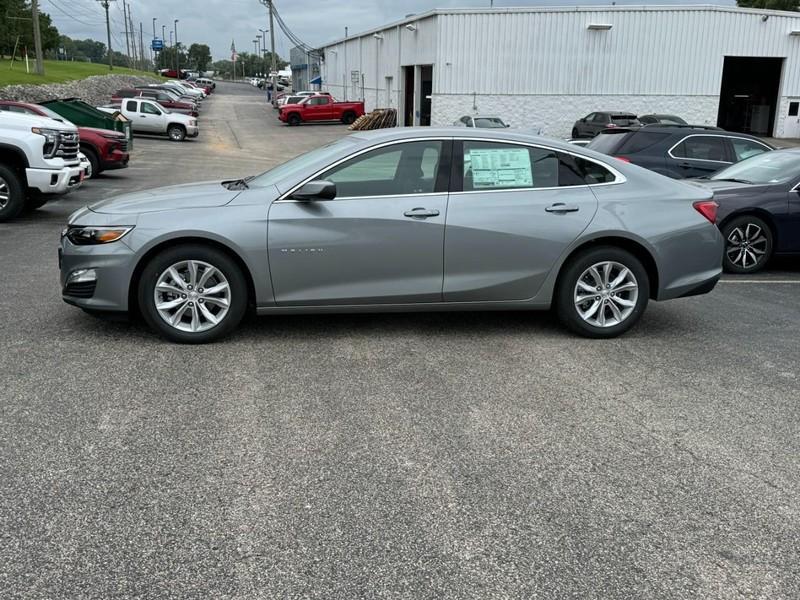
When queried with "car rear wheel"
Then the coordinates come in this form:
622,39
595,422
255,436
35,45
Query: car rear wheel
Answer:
176,133
192,294
12,198
348,118
748,244
602,292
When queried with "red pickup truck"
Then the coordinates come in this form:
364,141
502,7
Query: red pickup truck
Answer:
320,108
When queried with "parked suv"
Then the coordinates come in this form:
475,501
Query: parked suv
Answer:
679,151
595,122
104,149
38,160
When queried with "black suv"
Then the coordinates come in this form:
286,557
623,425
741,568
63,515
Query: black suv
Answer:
678,151
593,123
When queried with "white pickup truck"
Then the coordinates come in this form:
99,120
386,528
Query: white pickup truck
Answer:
38,160
148,116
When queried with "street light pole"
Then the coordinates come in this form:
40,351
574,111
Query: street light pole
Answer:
177,53
263,55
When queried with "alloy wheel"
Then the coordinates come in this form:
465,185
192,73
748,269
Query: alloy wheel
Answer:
5,193
746,245
192,296
606,294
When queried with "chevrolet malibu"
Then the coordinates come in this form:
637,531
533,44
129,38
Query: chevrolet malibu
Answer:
400,220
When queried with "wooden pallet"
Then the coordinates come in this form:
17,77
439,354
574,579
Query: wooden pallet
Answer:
380,118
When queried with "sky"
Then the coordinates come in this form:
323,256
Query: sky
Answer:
218,22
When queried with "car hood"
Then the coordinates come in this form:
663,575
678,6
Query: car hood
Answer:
193,195
103,132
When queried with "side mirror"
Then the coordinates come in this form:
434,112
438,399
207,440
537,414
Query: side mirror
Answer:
507,125
316,190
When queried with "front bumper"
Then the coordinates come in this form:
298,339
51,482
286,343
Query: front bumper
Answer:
117,159
192,132
113,266
55,181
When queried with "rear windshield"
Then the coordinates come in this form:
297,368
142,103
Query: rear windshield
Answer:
489,123
608,143
642,140
624,119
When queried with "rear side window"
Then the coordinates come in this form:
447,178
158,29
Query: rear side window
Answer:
702,147
495,166
746,148
642,140
609,143
593,173
131,105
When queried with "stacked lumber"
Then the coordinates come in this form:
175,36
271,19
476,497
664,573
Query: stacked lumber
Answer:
380,118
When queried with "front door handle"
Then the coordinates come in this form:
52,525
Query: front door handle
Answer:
421,213
560,207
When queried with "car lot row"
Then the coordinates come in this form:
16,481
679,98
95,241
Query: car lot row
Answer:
49,149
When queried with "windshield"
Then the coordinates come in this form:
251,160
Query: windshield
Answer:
489,122
299,164
769,167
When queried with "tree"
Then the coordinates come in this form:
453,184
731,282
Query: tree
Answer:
769,4
166,57
199,56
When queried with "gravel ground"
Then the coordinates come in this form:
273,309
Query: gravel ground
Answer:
484,456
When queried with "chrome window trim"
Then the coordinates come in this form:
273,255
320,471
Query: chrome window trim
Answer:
727,137
618,176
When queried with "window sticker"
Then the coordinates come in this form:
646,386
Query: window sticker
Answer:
499,167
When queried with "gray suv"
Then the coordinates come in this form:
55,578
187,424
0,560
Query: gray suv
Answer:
595,122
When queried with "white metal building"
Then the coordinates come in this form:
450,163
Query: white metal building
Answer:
733,67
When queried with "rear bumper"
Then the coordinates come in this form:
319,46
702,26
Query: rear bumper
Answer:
55,181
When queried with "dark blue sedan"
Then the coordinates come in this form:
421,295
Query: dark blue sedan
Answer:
759,208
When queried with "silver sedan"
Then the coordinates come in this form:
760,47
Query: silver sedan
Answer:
400,220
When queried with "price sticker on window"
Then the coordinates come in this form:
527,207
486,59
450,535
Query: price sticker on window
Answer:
499,167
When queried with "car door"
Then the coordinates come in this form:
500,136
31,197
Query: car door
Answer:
582,127
139,121
513,211
152,116
318,109
699,155
378,242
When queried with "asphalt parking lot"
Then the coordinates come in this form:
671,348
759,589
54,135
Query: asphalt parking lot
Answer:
487,455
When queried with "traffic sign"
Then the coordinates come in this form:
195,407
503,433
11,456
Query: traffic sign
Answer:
157,44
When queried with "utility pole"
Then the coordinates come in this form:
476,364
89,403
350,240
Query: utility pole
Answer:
272,50
153,53
37,37
141,46
104,4
133,38
125,18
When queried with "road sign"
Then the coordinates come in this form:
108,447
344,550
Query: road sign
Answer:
157,44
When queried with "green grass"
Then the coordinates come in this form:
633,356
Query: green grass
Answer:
57,72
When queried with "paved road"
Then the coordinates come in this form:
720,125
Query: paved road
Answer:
389,456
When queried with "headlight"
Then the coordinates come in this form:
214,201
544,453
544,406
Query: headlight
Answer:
51,137
88,236
193,123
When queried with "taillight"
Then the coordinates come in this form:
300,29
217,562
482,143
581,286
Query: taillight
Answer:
707,208
623,159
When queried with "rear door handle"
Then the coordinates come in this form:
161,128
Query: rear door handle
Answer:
421,213
560,207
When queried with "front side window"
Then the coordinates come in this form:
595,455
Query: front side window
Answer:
746,148
317,101
498,166
399,169
150,109
701,147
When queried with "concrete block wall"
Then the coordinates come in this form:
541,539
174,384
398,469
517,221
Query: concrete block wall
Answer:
557,114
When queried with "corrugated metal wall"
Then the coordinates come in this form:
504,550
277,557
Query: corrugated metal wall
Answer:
648,51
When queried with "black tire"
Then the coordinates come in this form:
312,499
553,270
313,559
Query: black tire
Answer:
348,118
575,133
574,271
11,186
176,133
196,252
749,244
35,200
93,159
293,120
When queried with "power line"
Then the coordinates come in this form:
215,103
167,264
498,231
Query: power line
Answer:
74,18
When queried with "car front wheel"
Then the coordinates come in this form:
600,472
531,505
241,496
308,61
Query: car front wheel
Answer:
176,133
748,244
602,292
192,294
